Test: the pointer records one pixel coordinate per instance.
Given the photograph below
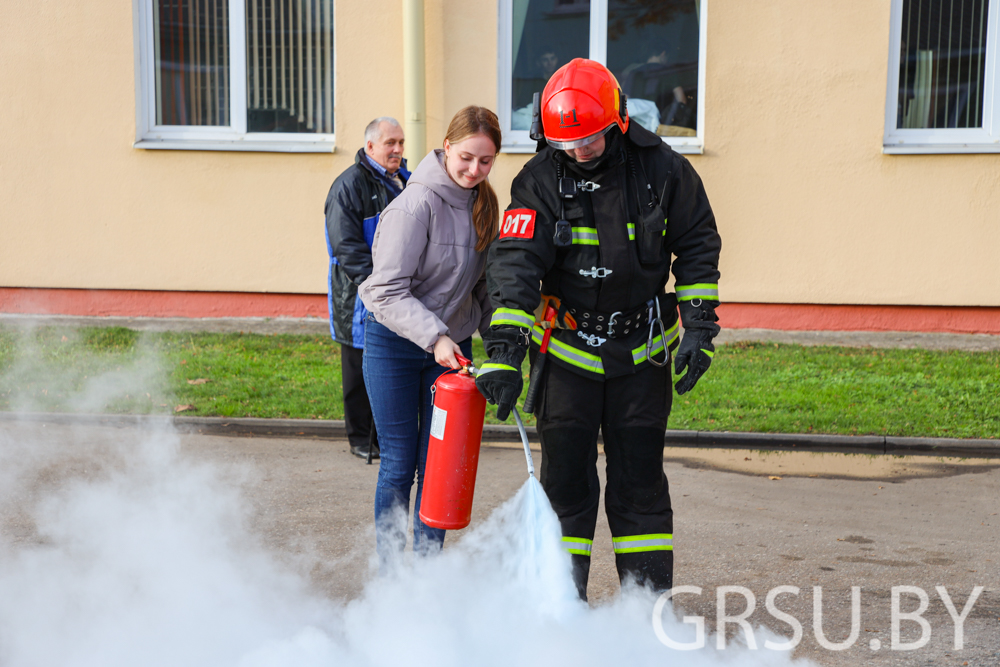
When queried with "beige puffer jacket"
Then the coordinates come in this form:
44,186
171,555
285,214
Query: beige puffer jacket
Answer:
428,280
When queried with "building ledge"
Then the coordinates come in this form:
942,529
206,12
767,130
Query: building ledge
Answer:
245,146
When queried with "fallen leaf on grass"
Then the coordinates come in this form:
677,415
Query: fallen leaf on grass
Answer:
182,408
773,477
199,381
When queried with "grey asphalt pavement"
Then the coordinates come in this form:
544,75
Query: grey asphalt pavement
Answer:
747,519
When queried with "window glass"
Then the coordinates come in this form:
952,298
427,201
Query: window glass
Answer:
653,51
942,64
547,34
192,62
289,66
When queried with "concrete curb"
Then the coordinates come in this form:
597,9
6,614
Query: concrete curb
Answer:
334,429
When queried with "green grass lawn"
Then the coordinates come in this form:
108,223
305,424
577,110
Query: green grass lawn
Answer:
751,386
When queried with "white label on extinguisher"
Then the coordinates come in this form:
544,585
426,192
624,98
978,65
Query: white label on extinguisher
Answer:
437,423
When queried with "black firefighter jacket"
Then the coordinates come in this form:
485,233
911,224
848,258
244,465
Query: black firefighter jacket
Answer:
624,235
353,205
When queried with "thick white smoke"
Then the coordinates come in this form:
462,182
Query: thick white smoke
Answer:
147,559
147,562
119,550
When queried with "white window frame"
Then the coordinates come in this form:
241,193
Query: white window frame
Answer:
943,140
517,141
201,138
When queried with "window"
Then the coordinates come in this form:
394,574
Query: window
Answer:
941,94
655,48
234,74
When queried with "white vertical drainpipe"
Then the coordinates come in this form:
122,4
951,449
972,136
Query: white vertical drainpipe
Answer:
414,93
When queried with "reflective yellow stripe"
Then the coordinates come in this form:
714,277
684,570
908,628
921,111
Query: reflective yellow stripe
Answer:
570,355
585,236
511,316
631,230
592,362
580,546
708,291
638,543
487,367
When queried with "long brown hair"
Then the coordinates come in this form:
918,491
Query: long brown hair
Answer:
470,121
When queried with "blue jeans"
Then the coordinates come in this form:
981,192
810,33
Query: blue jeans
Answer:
399,375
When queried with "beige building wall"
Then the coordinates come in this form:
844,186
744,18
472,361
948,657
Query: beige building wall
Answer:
810,209
83,208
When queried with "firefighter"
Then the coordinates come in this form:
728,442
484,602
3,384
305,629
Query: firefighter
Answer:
594,221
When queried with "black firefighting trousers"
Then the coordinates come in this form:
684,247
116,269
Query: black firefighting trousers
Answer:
631,412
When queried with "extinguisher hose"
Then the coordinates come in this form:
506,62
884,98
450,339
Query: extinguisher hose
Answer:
469,368
524,441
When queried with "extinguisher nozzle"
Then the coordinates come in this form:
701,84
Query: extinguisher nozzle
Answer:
524,441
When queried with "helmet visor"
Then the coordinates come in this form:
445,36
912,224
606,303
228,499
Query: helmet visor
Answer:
577,143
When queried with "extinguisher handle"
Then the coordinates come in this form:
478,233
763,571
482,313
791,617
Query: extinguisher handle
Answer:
463,362
534,382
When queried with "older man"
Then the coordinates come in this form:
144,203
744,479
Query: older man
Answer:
353,206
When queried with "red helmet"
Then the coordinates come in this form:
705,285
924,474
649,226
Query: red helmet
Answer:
580,103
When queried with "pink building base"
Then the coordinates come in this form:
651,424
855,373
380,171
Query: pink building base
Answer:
785,316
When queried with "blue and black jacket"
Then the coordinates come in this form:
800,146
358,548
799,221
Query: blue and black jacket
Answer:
356,199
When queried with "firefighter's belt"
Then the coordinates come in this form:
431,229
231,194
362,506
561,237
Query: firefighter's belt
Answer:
610,325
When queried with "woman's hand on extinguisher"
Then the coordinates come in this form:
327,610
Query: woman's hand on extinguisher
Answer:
445,350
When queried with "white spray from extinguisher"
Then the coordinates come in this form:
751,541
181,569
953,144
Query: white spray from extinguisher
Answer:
536,503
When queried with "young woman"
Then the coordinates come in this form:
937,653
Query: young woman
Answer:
426,295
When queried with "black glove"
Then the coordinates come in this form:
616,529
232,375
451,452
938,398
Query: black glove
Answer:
696,349
499,379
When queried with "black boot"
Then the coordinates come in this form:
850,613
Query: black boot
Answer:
361,451
581,573
373,451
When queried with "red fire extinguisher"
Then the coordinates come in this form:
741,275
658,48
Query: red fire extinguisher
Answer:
453,451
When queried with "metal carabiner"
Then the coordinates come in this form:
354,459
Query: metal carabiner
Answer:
611,322
593,340
663,335
596,272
